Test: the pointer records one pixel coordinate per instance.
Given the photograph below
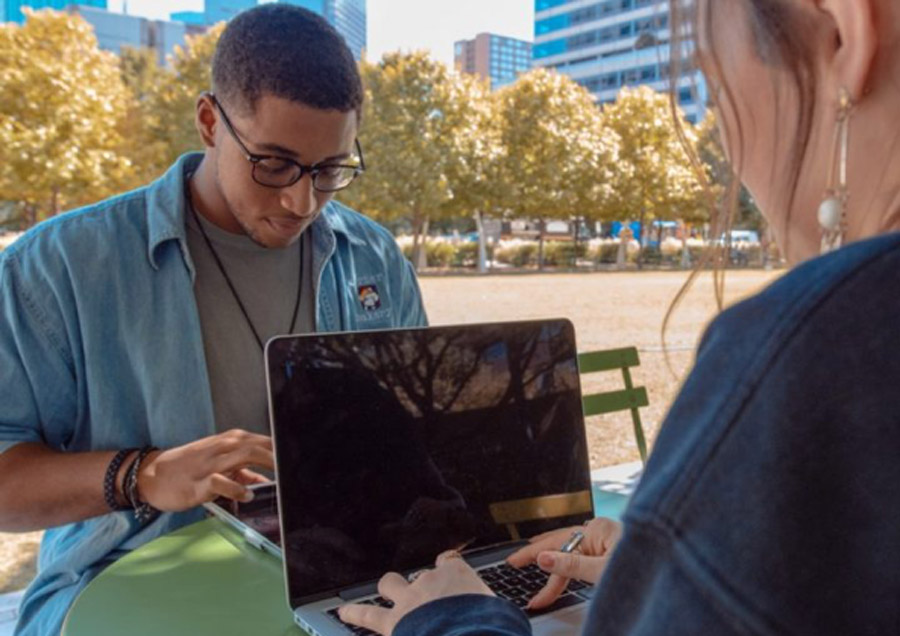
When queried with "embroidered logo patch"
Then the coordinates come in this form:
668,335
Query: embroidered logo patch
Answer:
369,298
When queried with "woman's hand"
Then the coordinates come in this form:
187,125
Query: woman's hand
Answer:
217,466
600,537
451,577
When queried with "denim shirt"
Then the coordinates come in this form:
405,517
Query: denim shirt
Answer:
771,502
101,349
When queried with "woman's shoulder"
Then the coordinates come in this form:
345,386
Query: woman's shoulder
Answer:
812,291
796,363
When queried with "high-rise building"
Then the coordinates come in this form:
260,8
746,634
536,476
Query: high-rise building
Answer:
194,18
223,10
12,9
347,16
607,44
494,57
117,30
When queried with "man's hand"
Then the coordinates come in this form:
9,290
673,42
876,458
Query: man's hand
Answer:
600,537
451,577
218,466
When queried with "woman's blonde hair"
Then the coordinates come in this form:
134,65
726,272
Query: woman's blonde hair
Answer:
778,37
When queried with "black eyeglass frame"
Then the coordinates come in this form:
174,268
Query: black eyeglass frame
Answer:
313,171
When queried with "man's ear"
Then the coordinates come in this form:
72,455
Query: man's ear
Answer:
206,120
852,58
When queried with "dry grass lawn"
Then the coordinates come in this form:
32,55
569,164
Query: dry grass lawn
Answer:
609,310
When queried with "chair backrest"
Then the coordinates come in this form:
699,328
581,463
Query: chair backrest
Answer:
509,513
631,398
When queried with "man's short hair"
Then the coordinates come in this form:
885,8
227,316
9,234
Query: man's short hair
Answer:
287,52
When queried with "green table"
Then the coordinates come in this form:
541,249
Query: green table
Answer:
202,579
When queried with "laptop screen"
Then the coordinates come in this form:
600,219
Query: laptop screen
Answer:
393,446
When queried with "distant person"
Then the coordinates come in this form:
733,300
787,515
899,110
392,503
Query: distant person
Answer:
132,331
771,503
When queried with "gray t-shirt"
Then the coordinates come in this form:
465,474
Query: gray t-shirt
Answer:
266,282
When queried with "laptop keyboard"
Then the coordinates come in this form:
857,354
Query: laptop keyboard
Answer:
515,585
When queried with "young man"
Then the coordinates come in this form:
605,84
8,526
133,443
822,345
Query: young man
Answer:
139,323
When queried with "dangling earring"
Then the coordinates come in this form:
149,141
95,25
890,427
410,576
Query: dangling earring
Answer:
833,211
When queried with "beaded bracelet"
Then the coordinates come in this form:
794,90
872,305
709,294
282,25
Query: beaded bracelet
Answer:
143,511
109,480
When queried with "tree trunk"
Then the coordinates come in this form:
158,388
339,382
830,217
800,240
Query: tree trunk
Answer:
54,202
541,227
643,230
422,257
685,252
418,241
482,243
577,226
30,215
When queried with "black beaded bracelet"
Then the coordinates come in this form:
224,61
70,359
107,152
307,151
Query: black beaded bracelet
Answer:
109,480
143,511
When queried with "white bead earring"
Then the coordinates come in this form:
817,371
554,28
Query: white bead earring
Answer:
833,210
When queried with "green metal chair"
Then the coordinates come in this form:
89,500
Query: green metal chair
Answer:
631,398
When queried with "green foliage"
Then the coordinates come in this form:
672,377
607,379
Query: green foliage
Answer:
520,255
605,253
437,253
558,158
466,255
656,179
61,116
166,98
563,253
78,124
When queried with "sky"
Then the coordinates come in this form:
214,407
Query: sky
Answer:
403,24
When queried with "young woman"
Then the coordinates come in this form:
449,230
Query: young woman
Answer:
771,503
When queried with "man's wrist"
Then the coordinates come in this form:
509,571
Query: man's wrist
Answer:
146,474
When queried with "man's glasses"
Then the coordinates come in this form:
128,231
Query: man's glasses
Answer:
281,172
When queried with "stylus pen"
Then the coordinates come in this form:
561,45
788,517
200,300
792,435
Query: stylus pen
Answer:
574,541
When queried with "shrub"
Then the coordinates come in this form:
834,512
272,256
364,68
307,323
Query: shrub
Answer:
517,254
466,255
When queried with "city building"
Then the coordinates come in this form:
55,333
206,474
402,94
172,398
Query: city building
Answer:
12,9
117,30
194,18
493,57
215,11
347,16
607,44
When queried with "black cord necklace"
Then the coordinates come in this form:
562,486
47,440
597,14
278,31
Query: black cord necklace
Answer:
212,250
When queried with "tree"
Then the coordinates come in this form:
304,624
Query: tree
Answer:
165,108
656,180
411,120
474,170
144,78
558,158
709,148
61,116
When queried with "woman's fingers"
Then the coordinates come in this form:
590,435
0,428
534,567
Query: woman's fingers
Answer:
392,584
376,619
573,566
554,588
548,541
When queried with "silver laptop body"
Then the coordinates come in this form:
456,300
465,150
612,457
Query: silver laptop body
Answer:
393,446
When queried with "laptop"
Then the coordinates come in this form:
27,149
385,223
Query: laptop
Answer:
394,446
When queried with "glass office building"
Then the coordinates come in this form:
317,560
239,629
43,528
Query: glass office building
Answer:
347,16
223,10
12,9
494,57
607,44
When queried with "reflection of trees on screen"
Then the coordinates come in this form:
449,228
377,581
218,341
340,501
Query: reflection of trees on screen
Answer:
438,371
